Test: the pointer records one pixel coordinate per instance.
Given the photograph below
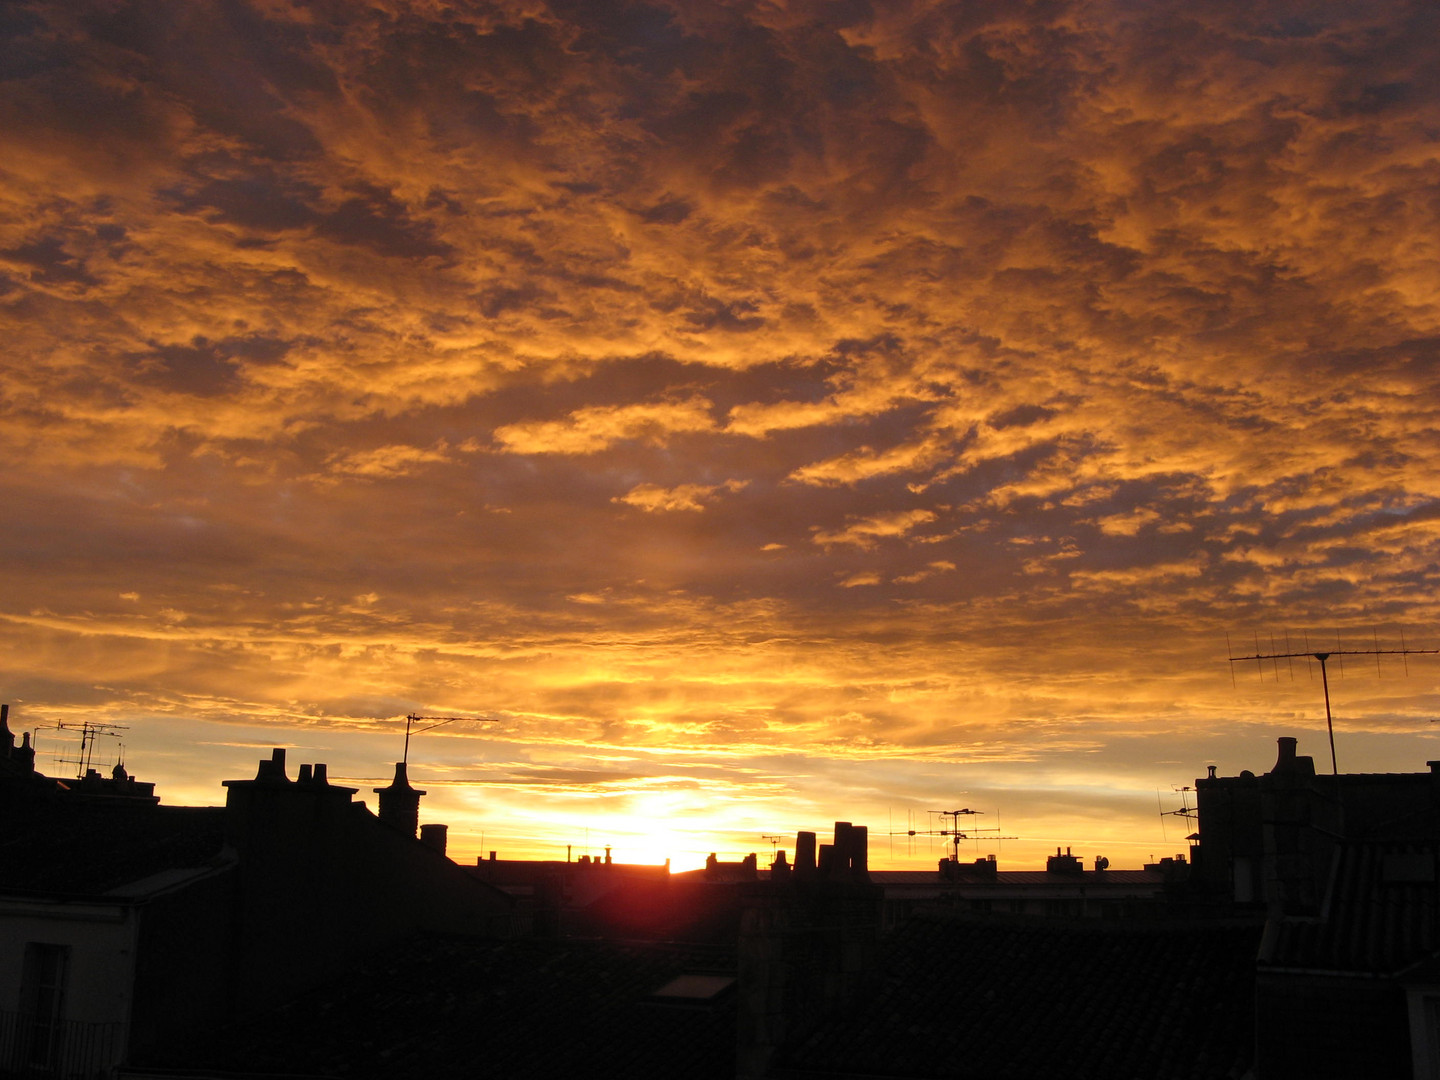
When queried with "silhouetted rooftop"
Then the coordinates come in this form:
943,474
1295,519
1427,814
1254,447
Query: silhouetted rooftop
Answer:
1007,878
1381,916
999,1000
65,846
518,1009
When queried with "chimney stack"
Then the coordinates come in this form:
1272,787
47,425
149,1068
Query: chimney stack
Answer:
400,803
804,855
272,769
434,836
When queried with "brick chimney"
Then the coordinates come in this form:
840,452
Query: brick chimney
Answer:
400,803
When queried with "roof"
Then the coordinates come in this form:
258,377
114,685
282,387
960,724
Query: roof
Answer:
76,849
1381,914
520,1009
960,997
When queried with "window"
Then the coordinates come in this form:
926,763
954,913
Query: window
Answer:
42,1001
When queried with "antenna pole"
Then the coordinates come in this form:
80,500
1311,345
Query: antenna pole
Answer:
1329,724
441,721
1341,653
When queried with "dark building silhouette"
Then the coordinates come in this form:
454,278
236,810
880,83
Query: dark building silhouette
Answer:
126,926
1301,938
1344,869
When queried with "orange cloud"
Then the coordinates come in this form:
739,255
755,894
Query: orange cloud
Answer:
592,429
652,498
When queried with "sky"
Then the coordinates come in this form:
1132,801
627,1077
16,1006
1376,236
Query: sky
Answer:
754,414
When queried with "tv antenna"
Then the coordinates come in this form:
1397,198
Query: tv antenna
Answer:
774,844
954,833
439,721
1186,811
89,732
1322,655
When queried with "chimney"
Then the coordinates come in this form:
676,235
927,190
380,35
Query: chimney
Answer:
1064,864
1286,761
825,861
434,837
400,803
7,737
272,769
804,855
860,852
840,851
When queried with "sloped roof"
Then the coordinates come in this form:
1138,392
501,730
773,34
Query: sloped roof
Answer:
1381,914
960,997
78,849
441,1007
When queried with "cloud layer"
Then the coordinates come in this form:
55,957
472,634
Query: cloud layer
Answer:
853,402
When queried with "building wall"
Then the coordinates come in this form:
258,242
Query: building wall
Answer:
88,1032
183,961
101,941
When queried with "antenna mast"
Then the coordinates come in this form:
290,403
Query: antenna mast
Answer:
955,834
1324,655
440,721
1186,811
89,732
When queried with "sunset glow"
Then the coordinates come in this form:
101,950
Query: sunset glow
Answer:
760,414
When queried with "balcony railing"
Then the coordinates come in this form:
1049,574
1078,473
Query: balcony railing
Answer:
40,1047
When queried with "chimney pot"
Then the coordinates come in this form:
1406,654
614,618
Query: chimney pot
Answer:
272,768
320,773
304,775
860,851
804,854
841,849
825,860
434,837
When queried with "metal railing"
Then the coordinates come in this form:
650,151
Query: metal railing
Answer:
41,1047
